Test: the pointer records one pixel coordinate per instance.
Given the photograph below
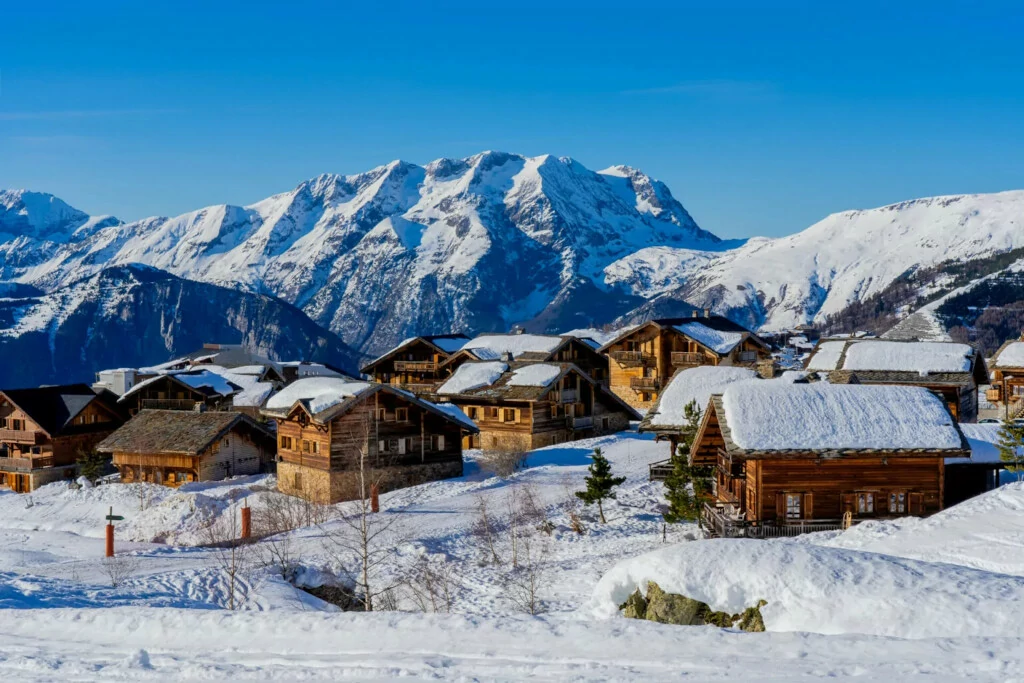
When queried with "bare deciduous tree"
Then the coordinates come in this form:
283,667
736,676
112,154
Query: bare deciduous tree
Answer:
231,553
432,584
525,583
120,568
503,463
485,530
274,519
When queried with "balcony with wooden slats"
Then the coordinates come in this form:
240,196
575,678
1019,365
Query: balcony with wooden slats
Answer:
644,383
633,358
685,359
168,404
33,438
25,464
415,366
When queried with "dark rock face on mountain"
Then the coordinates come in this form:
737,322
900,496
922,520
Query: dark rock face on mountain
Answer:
131,316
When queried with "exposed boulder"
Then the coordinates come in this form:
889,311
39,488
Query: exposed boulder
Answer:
635,606
672,608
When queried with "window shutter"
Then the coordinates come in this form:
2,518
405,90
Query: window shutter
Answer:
916,503
440,442
381,446
808,506
401,446
780,506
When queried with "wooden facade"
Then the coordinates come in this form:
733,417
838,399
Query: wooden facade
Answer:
521,418
397,440
416,364
787,492
1006,384
643,360
44,431
581,352
167,392
174,447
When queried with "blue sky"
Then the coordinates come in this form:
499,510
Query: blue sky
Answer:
761,120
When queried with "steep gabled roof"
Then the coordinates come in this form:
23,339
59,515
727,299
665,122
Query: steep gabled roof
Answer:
891,361
325,398
53,408
179,432
717,329
209,384
1009,356
445,344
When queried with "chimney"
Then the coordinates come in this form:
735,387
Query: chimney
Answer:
507,356
696,313
707,312
199,407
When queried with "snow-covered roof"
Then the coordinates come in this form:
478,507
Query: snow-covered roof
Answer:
471,376
492,346
694,384
197,379
535,375
768,416
982,439
719,341
454,412
319,393
922,357
448,344
1011,355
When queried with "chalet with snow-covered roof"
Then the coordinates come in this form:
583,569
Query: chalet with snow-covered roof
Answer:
232,356
181,390
523,347
1006,387
45,430
519,406
644,358
175,447
950,369
415,364
329,429
790,458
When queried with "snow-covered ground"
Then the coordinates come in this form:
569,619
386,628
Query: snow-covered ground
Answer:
935,599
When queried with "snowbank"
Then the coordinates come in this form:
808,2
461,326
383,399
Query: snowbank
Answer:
534,375
825,590
321,392
780,415
471,376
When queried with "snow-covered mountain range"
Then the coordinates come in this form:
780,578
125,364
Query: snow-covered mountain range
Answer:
492,240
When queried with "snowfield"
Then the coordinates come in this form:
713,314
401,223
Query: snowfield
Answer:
936,599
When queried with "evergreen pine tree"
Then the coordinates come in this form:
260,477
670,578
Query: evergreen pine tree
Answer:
687,486
1011,446
91,465
600,483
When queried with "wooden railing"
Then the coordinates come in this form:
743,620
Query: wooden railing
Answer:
659,471
22,436
168,404
417,388
415,366
689,358
633,357
584,422
717,522
25,464
644,383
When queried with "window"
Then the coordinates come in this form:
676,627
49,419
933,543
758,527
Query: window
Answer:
554,410
286,443
793,505
644,396
898,502
381,414
471,412
402,414
605,423
509,415
437,442
865,503
401,446
315,446
492,413
383,446
305,446
226,442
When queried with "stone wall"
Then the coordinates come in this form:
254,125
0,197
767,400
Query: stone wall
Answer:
321,486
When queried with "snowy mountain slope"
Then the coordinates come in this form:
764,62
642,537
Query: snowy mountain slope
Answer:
478,243
138,316
773,284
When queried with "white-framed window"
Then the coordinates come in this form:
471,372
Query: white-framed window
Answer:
793,505
865,503
898,502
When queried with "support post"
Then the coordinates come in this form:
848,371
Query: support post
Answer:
246,522
110,540
374,498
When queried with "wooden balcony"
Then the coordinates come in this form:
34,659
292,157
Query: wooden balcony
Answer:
725,521
168,404
747,357
633,358
415,366
660,471
568,395
644,383
25,464
994,395
688,358
33,438
417,389
583,422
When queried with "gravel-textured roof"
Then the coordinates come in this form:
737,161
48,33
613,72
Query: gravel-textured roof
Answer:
177,431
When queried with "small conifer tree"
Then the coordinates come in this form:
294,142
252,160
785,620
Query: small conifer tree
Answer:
1011,447
687,486
91,465
600,483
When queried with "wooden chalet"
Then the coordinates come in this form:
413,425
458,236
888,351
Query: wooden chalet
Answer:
415,364
174,447
231,356
533,348
181,390
45,430
1006,385
952,370
644,358
791,458
521,406
328,428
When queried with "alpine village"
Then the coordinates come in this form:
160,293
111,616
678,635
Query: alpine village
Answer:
765,436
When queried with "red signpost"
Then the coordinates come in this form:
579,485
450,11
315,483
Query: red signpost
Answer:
374,498
246,521
111,518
